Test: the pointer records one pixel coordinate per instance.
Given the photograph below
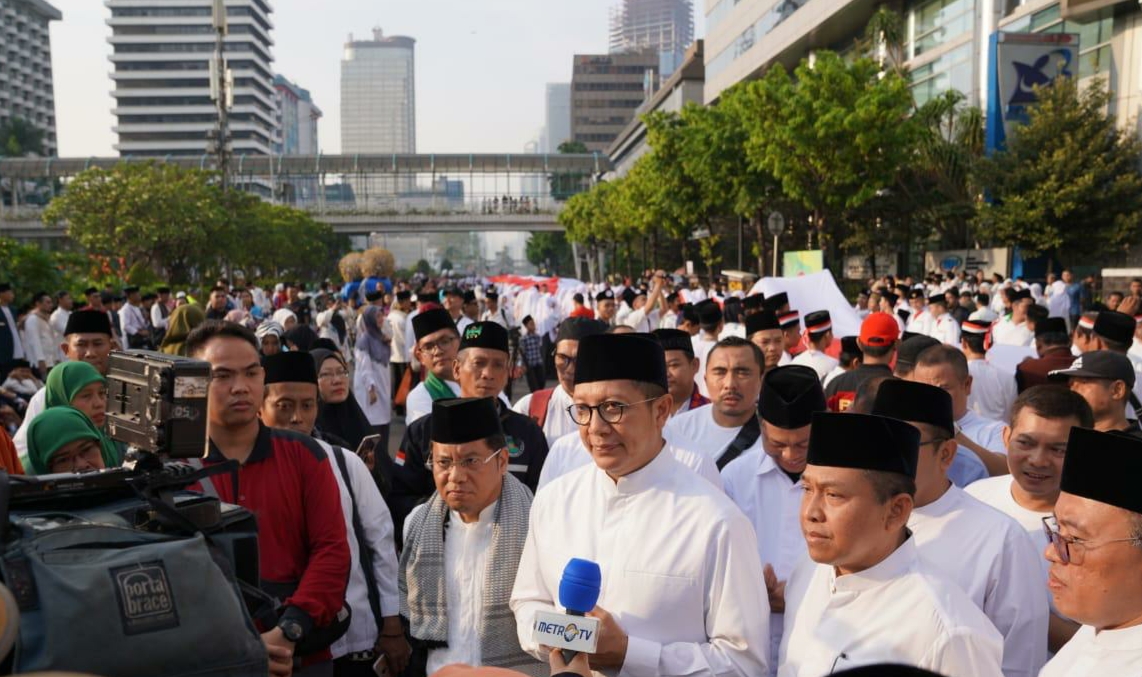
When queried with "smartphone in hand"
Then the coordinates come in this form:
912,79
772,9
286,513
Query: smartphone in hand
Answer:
381,666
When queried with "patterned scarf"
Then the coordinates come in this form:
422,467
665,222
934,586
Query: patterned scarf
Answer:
437,388
423,577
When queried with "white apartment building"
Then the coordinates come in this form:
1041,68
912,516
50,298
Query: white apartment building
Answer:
26,90
161,52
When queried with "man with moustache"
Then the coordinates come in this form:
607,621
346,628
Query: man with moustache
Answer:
1036,440
437,341
1096,554
767,487
865,595
986,553
728,427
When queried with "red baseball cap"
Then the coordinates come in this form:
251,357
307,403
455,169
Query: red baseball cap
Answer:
879,329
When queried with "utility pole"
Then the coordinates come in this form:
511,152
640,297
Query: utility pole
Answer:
222,92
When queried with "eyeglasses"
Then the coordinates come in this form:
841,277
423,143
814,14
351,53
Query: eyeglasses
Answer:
935,441
563,361
443,344
1063,544
471,464
610,412
331,375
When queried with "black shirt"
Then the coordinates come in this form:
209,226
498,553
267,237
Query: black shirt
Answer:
412,482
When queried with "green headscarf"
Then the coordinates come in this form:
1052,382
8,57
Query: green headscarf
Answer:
64,383
66,380
53,429
179,325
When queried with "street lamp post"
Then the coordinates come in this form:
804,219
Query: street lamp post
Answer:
775,226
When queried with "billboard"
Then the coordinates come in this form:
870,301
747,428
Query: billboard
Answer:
969,260
1018,63
802,263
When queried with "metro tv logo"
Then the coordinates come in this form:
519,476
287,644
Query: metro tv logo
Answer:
569,632
563,631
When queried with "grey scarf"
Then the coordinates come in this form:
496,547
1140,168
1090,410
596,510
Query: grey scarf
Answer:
423,579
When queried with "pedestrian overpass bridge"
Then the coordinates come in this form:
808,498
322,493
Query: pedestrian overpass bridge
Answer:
356,194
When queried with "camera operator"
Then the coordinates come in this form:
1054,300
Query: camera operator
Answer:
287,480
291,403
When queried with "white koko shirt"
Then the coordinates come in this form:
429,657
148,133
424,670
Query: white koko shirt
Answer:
681,575
772,502
991,557
696,430
895,612
1110,653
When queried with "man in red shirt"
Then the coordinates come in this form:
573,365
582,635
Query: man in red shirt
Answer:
286,480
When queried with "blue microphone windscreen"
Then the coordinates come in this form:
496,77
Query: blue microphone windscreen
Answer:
579,587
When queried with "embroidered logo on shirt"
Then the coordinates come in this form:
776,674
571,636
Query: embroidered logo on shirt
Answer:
146,603
515,447
400,457
473,332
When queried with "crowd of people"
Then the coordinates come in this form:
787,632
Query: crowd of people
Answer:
952,489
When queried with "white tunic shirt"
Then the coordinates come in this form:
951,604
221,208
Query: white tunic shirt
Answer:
996,492
40,342
1006,332
558,422
568,453
818,361
1110,653
992,559
398,324
697,430
419,402
992,391
896,612
772,502
680,569
946,330
377,525
465,564
920,323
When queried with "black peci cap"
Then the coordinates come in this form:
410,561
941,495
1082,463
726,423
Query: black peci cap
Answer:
1104,467
290,367
88,322
675,339
464,419
790,396
864,442
485,335
760,321
618,357
916,403
431,321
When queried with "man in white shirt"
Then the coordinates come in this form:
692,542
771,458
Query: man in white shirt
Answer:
462,547
162,310
1058,302
992,389
1095,556
920,322
946,367
710,322
728,427
681,370
1012,330
437,342
865,596
568,453
39,338
1114,331
1104,379
548,407
494,312
767,487
790,322
643,317
134,324
985,552
819,327
58,319
685,599
397,320
1041,422
605,307
764,331
943,326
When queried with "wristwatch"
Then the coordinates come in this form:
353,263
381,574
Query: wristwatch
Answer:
292,630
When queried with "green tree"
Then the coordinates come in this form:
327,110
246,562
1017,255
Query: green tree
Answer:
550,253
1068,183
570,147
833,136
168,217
19,137
30,268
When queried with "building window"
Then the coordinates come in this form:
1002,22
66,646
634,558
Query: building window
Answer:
938,22
950,71
1095,54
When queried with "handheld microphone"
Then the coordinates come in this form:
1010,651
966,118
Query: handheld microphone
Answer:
578,593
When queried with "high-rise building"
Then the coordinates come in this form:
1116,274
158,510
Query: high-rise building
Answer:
606,90
162,52
26,90
665,26
557,127
378,95
297,119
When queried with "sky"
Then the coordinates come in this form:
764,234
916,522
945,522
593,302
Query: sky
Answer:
481,65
